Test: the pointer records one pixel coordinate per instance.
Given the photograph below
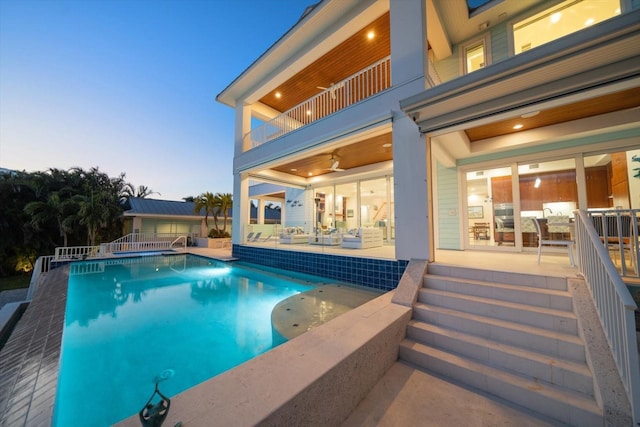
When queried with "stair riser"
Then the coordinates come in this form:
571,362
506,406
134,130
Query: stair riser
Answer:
532,398
555,283
525,317
528,340
495,356
558,302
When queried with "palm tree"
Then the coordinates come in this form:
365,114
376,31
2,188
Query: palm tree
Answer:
93,214
225,203
207,201
62,211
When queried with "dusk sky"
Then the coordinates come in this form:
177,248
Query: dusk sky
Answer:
130,85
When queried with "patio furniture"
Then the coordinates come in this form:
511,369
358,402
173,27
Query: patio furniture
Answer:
294,235
363,238
547,242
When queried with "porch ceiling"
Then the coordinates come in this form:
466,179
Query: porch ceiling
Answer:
362,153
609,103
349,57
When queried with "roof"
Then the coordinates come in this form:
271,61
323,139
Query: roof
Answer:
153,207
143,206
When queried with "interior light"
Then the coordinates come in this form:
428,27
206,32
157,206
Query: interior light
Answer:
618,11
278,95
371,35
589,22
518,126
556,17
310,173
537,183
308,112
294,170
387,145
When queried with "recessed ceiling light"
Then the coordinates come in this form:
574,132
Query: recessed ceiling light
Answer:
310,173
556,17
371,35
518,126
278,95
589,22
529,115
294,170
387,145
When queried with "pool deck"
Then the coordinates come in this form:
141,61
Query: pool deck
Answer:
404,396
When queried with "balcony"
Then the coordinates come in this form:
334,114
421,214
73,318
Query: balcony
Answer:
359,86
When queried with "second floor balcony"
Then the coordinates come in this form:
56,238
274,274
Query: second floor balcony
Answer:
355,88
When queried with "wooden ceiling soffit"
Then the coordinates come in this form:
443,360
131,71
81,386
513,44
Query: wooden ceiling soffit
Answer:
609,103
354,54
367,152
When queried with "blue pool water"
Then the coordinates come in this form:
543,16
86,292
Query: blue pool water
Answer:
180,317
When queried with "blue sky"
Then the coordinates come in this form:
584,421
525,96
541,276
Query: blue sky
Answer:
129,85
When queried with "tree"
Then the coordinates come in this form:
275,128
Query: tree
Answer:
209,202
93,215
57,209
225,203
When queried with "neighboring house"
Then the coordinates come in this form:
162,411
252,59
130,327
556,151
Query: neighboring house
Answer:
450,126
163,216
144,215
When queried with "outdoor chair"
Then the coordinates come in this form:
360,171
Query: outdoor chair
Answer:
546,242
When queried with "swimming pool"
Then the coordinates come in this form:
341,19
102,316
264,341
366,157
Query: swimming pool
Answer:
181,317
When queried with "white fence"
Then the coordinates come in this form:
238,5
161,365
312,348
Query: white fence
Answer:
353,89
613,301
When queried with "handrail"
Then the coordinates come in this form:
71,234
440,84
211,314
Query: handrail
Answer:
177,240
614,305
365,83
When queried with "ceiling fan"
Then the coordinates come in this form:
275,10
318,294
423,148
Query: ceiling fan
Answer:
332,88
334,163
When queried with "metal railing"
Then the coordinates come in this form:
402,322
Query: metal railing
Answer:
618,231
365,83
613,302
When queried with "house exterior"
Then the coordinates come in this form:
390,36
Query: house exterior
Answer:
162,216
446,125
153,216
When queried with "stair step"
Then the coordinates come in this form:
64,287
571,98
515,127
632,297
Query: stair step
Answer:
553,343
564,405
522,294
491,276
553,370
541,317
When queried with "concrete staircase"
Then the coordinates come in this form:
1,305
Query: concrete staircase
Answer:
511,335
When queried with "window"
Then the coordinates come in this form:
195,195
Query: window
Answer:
474,57
561,20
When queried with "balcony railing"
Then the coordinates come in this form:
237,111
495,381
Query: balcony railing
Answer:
365,83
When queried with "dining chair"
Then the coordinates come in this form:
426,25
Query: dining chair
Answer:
550,242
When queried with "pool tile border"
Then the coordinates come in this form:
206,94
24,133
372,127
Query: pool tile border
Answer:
382,274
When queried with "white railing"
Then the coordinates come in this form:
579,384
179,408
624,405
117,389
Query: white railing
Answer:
149,237
42,265
614,305
353,89
76,252
180,238
115,248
